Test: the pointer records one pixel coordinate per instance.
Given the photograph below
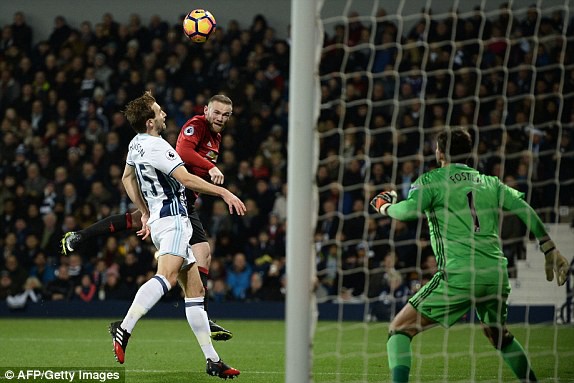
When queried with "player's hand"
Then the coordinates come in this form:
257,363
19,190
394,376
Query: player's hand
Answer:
234,203
555,263
216,175
383,200
144,232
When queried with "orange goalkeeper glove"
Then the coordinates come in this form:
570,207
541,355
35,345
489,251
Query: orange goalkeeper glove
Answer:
555,262
383,200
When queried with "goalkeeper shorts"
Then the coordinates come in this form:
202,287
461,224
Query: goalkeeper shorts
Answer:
445,304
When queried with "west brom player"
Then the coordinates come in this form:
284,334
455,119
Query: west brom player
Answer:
198,146
154,178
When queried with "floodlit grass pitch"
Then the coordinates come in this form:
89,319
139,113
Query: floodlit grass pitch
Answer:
166,351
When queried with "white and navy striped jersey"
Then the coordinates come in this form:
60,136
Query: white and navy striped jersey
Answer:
154,161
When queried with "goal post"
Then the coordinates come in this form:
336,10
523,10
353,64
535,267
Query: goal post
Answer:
301,203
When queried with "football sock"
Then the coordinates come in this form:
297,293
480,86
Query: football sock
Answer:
146,297
197,319
203,274
515,357
399,354
111,224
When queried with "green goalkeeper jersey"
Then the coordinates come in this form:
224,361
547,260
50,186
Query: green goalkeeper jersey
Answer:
463,211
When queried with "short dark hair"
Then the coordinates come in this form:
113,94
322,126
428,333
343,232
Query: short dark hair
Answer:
138,111
455,143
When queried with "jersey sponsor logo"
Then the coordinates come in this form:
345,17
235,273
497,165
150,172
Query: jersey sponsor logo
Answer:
212,156
189,131
209,144
170,155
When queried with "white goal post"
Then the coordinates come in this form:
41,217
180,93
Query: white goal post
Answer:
301,206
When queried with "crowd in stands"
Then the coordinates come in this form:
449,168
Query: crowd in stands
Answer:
64,141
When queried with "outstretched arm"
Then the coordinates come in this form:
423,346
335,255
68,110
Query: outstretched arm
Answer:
199,185
406,210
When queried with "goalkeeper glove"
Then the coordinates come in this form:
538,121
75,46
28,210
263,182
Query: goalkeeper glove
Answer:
555,262
383,200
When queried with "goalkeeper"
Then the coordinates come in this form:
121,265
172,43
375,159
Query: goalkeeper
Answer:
463,211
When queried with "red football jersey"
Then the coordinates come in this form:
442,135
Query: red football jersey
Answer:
198,146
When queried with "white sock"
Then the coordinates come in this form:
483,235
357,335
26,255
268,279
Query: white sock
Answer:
197,319
147,296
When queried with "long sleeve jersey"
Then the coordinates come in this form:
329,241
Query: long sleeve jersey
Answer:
463,211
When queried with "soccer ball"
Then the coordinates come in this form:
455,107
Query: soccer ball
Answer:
198,25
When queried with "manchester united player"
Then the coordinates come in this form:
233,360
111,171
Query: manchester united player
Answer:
198,147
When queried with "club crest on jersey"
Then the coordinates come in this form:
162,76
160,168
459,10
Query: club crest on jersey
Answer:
212,156
170,155
189,131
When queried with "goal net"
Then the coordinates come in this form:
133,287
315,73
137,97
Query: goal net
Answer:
392,74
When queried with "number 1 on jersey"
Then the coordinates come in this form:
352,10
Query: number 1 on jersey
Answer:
470,198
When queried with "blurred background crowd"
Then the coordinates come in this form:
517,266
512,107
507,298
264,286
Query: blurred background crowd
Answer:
383,97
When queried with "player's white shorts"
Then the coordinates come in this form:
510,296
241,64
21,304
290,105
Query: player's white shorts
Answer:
171,235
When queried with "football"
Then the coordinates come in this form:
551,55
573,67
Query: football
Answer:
198,25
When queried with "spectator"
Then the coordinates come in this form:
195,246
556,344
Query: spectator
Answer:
17,273
264,196
22,32
253,221
280,204
99,195
9,90
9,216
115,289
69,200
255,293
352,276
7,286
34,181
220,220
238,277
219,292
354,225
327,264
42,270
392,299
86,291
75,268
61,288
131,271
60,33
50,235
111,253
10,246
328,226
274,281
